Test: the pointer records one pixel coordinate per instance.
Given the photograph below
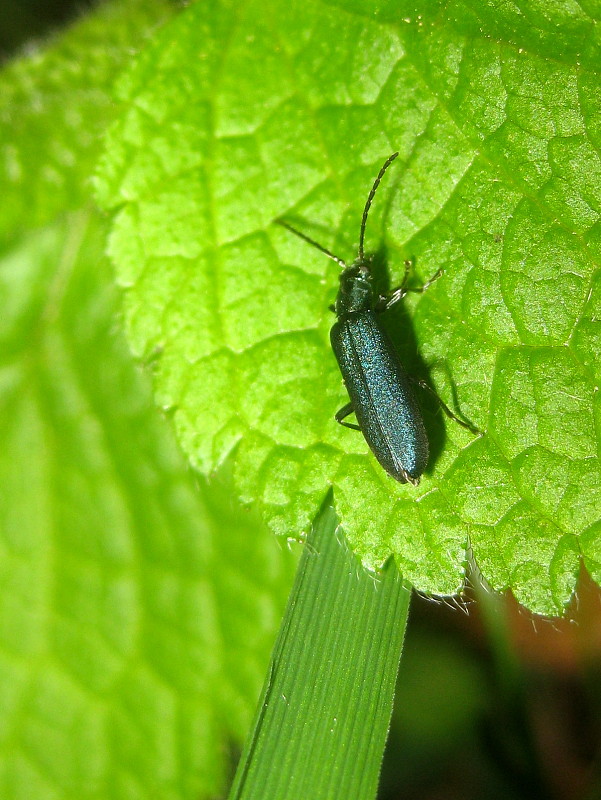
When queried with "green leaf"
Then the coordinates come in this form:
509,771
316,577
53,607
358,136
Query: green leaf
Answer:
54,106
137,611
138,606
333,698
241,114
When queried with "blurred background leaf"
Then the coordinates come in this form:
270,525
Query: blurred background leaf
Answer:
137,606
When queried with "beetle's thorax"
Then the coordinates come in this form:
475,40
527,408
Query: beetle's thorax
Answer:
356,292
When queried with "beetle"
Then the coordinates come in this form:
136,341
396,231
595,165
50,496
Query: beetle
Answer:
379,387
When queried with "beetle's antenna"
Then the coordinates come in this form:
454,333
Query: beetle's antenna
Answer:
311,241
370,198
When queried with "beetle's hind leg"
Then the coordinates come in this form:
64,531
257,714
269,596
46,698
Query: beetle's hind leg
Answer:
344,412
472,428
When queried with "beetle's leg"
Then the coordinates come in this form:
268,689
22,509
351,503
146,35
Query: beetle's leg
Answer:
384,303
472,428
332,308
344,412
427,284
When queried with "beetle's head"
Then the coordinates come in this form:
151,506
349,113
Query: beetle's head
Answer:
356,292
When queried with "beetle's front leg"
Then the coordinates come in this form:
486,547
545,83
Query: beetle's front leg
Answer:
344,412
385,302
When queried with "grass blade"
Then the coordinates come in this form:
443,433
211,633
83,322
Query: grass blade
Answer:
323,717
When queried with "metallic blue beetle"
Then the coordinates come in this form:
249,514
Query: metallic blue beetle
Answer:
380,389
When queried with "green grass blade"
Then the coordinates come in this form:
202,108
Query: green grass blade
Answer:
323,717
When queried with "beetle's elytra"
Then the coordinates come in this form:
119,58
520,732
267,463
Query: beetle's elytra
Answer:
380,389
